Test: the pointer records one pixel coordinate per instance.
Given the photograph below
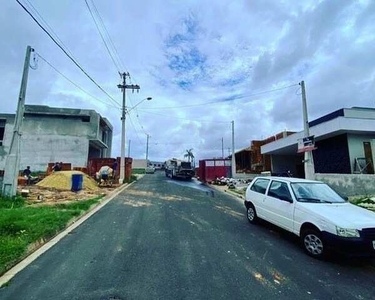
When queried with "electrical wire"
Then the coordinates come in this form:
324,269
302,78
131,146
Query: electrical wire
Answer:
102,37
117,56
169,116
75,84
137,114
65,52
135,130
222,101
49,27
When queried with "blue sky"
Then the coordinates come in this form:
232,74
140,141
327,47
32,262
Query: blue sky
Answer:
187,53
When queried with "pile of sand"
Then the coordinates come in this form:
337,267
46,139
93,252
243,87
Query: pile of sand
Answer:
63,181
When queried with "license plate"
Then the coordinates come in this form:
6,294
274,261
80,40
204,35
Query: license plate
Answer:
373,244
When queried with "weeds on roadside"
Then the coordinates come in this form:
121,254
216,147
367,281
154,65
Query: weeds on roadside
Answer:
22,225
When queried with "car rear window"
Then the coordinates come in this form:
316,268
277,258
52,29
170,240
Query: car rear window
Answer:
260,185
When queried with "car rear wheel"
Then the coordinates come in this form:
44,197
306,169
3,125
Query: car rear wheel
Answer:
313,243
251,214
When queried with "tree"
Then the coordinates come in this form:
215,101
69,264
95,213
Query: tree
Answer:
189,154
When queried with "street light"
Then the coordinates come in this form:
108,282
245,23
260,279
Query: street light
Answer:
124,112
148,99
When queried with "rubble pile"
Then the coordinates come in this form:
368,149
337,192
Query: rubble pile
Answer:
62,180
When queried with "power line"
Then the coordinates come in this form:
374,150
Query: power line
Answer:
135,130
137,115
49,27
169,116
75,84
66,53
120,62
223,101
105,43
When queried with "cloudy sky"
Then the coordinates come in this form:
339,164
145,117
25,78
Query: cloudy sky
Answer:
204,63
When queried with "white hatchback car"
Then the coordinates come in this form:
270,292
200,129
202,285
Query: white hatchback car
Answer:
313,211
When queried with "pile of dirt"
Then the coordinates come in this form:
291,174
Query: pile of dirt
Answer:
63,181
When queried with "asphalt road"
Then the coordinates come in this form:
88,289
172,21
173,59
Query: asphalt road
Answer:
170,240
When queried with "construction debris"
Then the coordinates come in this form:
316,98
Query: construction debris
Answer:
62,180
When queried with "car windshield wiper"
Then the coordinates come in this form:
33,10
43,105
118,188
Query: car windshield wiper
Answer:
306,199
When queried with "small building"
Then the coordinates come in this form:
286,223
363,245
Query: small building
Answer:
139,164
250,160
158,165
345,142
51,134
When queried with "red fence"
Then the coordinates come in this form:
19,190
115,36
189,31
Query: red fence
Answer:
94,165
210,169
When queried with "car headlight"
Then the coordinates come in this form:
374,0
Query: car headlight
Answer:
347,232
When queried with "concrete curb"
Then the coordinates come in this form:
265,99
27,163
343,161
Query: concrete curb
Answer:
228,192
7,276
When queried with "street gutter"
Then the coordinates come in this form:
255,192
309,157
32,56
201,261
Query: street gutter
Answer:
41,247
228,192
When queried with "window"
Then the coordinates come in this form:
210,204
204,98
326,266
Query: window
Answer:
86,119
2,131
280,191
219,163
260,186
315,192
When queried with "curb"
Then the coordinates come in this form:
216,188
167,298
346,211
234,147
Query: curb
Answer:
7,276
228,192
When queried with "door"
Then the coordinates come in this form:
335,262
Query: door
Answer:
257,194
279,206
368,157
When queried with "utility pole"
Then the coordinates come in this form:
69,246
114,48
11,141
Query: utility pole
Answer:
129,148
12,164
123,88
148,136
309,160
233,153
222,147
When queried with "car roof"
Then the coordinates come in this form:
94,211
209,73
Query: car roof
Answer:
288,179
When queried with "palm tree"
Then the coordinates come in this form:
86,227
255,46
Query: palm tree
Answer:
189,154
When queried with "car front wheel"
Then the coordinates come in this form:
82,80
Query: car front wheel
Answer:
313,243
251,214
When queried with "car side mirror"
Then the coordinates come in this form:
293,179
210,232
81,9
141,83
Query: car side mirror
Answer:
287,199
346,198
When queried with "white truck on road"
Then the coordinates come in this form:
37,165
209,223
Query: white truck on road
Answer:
175,168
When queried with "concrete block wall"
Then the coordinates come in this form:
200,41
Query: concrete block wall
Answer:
349,184
54,134
38,151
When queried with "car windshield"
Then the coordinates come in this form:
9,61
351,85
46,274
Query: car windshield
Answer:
315,192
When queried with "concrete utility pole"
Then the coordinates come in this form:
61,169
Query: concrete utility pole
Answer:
222,147
123,88
129,148
309,160
12,164
233,153
148,136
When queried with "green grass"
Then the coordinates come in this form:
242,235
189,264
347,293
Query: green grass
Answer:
22,225
138,171
240,192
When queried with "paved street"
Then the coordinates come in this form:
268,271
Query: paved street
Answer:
161,239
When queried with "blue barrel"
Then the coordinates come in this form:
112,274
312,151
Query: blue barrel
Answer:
77,182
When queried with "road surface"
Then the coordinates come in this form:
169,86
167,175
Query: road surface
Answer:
162,239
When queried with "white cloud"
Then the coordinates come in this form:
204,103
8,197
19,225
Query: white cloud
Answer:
184,53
